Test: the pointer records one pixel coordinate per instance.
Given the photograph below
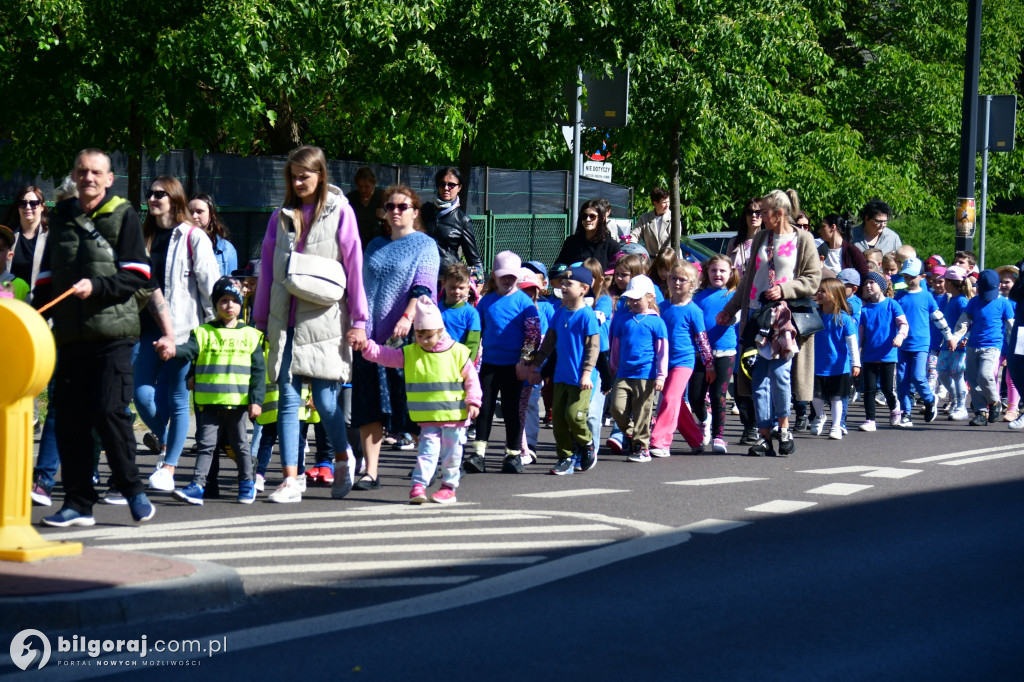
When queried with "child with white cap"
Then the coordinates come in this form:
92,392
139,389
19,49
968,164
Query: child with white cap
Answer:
443,392
639,359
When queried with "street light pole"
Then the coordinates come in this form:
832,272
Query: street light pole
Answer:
965,206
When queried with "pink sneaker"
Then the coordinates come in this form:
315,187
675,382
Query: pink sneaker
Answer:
418,494
444,495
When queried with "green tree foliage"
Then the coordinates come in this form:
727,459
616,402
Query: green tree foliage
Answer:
840,100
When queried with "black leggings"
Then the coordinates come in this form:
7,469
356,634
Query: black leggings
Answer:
699,385
495,379
872,371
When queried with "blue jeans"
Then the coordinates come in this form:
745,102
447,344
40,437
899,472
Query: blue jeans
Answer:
771,390
325,399
161,398
912,373
48,460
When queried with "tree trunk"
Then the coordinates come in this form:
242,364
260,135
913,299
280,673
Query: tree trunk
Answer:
673,178
283,134
134,156
466,156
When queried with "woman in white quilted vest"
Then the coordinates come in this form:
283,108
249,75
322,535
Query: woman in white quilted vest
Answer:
184,271
311,304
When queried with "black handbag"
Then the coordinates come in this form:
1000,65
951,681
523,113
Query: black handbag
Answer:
806,316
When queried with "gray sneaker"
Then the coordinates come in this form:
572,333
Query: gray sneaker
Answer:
344,477
113,496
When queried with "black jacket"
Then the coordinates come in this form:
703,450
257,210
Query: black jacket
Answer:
451,231
578,248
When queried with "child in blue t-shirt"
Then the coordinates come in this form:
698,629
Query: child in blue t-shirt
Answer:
718,281
883,328
639,358
952,363
573,335
912,365
511,335
601,302
461,319
836,356
851,279
1008,275
988,315
684,321
532,282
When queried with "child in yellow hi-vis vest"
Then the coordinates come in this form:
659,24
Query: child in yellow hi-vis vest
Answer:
443,394
230,386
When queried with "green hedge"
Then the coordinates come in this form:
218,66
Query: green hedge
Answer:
1004,242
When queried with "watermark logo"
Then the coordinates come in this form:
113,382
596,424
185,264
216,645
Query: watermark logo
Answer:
30,648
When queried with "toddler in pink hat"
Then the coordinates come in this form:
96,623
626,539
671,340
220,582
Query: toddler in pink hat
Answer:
443,396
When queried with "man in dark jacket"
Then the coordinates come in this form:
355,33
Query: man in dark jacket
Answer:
95,250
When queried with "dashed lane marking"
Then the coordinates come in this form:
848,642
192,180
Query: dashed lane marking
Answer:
865,471
717,481
574,493
839,489
713,526
781,506
983,458
958,455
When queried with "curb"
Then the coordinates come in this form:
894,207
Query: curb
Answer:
211,588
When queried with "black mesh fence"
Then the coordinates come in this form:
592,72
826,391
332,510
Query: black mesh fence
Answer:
524,211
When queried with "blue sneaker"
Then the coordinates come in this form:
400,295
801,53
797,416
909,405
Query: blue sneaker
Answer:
192,493
246,492
142,509
68,517
576,466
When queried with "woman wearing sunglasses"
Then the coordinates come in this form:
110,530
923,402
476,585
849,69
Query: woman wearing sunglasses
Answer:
448,224
184,271
28,218
397,270
592,238
739,247
310,329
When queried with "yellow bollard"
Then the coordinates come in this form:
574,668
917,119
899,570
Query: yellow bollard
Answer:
25,373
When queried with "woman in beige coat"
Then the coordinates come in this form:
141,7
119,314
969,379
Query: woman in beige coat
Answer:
784,266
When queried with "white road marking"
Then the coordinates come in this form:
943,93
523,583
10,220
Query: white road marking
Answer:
866,471
839,489
373,583
574,493
714,526
891,472
393,549
261,636
781,506
234,524
397,564
956,455
984,458
717,481
395,535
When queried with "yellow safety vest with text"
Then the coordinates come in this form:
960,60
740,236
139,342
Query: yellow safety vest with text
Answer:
224,365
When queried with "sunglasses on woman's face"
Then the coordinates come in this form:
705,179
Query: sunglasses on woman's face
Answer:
589,216
447,185
756,214
29,203
402,208
157,194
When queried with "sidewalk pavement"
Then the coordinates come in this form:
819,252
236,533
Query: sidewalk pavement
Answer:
102,587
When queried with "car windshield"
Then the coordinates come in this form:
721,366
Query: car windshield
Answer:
693,246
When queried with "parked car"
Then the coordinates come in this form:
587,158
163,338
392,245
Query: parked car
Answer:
716,241
695,251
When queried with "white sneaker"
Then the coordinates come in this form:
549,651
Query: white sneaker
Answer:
719,445
261,483
836,433
659,452
301,482
941,394
288,491
344,477
959,415
707,432
162,479
735,409
894,417
1017,423
868,426
818,426
528,457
